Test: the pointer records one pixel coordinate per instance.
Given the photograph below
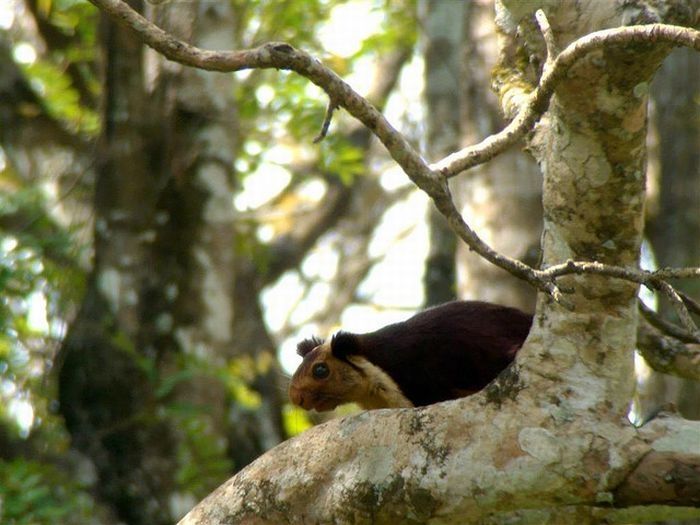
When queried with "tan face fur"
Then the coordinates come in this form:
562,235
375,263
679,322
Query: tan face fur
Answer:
322,382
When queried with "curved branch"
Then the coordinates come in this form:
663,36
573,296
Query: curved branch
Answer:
382,480
284,56
656,280
664,326
548,35
692,305
668,355
432,179
281,55
277,55
536,104
680,308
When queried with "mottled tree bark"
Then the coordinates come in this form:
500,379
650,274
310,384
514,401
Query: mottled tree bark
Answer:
548,441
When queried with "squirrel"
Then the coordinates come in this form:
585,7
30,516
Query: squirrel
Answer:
449,351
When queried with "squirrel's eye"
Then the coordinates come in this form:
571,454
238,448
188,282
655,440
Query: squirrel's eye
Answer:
320,371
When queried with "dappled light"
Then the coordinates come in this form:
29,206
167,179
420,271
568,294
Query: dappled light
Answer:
365,261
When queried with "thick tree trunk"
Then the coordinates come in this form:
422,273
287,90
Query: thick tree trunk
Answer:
548,441
593,159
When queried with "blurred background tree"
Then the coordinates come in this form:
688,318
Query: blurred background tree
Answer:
166,235
164,232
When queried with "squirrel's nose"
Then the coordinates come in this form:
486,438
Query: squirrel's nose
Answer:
297,397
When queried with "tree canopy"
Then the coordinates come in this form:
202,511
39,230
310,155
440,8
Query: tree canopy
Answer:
187,187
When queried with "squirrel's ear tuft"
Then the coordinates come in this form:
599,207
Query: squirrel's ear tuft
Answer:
344,344
305,346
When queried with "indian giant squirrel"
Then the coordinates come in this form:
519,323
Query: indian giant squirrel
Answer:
445,352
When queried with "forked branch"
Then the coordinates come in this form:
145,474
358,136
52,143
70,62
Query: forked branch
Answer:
433,178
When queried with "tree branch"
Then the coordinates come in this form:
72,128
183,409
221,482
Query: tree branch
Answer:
281,55
656,280
667,327
534,462
668,355
548,35
536,104
692,305
432,179
326,122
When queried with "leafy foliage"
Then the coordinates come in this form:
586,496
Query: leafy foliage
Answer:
64,77
37,278
60,97
33,493
41,258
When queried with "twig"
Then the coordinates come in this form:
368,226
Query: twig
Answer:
677,273
678,304
548,35
431,179
538,101
690,303
665,326
326,122
630,274
655,280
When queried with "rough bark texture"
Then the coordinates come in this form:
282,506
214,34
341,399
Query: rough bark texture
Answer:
548,441
445,465
591,148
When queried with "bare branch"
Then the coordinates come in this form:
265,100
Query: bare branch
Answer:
629,274
326,122
281,55
538,101
692,304
655,280
445,204
277,55
548,35
677,273
678,304
665,326
431,179
667,355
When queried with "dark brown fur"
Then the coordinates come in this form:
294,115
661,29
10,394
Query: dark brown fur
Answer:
445,352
